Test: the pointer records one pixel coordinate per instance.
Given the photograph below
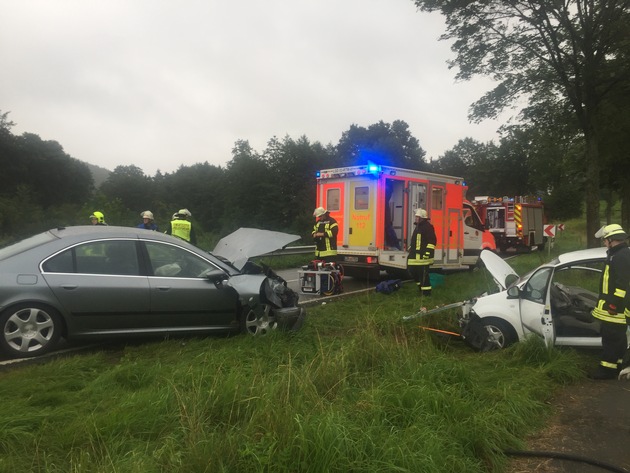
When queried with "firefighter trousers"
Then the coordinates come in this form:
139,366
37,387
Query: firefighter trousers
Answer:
420,274
614,344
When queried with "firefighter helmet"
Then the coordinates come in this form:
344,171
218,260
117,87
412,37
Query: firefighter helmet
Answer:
319,211
421,213
611,232
147,214
184,213
98,216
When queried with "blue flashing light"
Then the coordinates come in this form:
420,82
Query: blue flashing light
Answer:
318,174
374,168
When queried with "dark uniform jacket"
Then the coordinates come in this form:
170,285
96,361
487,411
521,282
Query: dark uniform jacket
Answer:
613,287
326,245
422,244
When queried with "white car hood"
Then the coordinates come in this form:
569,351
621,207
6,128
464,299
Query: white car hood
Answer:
498,268
247,243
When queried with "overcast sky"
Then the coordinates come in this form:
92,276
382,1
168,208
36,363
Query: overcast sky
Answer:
164,83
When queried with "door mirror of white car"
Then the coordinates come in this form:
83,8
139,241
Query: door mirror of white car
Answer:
513,292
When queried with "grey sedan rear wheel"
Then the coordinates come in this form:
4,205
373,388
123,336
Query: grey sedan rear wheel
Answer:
256,324
29,330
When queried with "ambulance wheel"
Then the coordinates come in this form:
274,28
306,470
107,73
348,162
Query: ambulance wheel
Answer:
500,334
362,274
394,273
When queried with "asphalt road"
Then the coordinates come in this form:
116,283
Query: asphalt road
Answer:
350,285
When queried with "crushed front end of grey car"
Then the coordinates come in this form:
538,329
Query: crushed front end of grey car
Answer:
278,304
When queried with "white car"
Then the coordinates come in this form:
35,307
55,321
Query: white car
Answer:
553,301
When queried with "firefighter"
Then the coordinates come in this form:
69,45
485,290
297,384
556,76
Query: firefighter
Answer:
613,288
421,252
97,218
181,226
325,235
148,223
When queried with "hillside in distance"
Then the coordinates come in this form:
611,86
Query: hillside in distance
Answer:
99,174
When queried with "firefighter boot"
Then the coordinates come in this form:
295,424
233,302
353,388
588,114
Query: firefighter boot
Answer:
603,373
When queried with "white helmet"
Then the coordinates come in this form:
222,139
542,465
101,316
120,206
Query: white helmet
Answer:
612,232
147,214
185,212
421,213
319,211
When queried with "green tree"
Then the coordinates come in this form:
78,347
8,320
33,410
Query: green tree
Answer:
550,145
132,188
251,194
573,50
293,165
475,162
5,123
55,177
201,188
615,150
381,143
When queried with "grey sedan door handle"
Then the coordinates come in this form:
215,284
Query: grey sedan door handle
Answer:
69,287
164,288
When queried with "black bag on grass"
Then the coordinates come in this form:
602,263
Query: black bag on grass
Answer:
389,286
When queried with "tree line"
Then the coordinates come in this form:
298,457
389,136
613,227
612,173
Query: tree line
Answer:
43,187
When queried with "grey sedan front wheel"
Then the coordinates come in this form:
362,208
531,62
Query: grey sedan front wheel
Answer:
29,330
255,324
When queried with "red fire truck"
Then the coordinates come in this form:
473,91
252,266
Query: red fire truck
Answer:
375,205
516,222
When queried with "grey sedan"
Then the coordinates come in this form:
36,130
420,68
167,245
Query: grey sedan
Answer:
97,281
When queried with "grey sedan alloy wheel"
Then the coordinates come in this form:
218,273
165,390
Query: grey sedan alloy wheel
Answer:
259,325
29,330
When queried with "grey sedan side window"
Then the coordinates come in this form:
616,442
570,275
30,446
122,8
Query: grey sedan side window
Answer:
175,262
117,257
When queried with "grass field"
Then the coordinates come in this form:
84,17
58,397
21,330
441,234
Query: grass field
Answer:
356,390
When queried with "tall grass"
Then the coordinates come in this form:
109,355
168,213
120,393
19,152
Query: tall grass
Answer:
357,390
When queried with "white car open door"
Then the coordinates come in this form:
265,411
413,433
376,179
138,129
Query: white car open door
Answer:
535,305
